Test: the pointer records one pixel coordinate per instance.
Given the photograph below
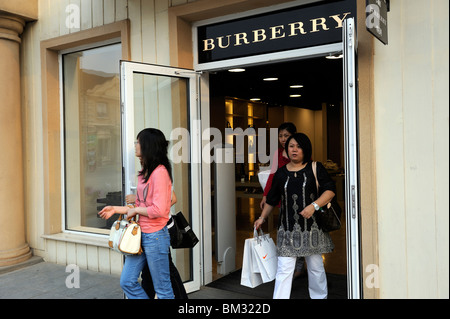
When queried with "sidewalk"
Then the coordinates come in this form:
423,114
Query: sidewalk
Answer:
42,280
36,279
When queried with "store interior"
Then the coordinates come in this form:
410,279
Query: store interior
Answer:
307,92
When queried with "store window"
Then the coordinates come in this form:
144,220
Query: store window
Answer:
92,136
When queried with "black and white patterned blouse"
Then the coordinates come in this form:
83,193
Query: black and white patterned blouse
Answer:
297,236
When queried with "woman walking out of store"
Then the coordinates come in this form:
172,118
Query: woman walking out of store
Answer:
300,233
153,205
285,131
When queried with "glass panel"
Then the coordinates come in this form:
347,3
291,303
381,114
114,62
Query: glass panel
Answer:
92,119
162,102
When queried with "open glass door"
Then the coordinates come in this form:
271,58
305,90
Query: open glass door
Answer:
351,161
166,98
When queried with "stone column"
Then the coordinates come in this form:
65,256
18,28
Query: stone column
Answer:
13,246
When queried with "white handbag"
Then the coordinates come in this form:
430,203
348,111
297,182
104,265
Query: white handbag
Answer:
125,236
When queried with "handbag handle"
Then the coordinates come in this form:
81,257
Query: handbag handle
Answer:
135,218
259,237
255,233
314,169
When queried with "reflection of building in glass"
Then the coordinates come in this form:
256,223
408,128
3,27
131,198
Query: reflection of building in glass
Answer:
102,121
101,132
92,134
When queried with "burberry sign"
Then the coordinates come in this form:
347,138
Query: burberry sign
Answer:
292,28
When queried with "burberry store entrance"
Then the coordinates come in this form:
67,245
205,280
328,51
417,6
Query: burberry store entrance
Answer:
305,92
260,80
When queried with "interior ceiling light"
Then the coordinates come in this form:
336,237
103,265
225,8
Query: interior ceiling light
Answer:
334,56
296,86
270,79
295,95
255,99
236,70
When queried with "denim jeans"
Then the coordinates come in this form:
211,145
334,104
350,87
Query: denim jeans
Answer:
155,248
177,283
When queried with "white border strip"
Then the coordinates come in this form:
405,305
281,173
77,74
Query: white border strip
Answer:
283,56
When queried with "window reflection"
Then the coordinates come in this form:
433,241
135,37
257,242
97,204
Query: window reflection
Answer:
92,144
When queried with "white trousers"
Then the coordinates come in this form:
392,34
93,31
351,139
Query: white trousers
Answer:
317,279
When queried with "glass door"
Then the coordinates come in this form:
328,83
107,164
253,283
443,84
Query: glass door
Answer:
351,161
166,98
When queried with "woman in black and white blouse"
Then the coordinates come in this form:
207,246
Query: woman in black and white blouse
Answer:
300,233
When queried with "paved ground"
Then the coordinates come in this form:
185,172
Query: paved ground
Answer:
44,280
36,279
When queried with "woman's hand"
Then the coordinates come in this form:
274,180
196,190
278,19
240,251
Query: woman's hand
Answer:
132,212
265,213
308,211
108,211
130,199
258,223
263,202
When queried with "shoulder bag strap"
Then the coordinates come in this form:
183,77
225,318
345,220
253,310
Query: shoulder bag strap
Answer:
314,169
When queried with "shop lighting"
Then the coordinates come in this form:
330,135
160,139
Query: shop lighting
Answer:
255,99
270,79
236,70
295,95
296,86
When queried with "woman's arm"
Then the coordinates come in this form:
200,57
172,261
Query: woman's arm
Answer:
130,199
108,211
324,199
265,213
137,210
272,199
329,191
160,185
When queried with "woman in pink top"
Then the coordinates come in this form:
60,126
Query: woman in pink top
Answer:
285,131
153,205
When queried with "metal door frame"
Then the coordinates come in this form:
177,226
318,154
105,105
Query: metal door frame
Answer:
352,195
127,69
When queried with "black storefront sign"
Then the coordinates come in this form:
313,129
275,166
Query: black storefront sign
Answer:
288,29
376,19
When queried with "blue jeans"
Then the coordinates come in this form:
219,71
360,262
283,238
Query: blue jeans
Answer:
155,248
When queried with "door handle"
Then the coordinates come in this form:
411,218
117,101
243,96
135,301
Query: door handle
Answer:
353,202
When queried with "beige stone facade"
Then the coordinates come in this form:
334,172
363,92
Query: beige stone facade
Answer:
403,129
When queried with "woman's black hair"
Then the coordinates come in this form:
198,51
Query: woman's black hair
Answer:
153,152
288,126
304,143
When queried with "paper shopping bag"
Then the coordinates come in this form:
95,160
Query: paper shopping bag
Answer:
250,276
263,177
265,253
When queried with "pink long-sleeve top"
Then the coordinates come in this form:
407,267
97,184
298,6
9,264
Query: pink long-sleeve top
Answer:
281,161
156,196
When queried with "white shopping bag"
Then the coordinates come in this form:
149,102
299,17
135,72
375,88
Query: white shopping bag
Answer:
263,177
250,276
265,253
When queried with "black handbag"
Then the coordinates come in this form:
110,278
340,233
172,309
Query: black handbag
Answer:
181,234
329,215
